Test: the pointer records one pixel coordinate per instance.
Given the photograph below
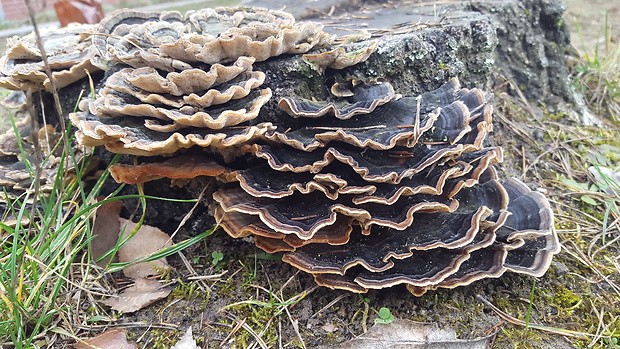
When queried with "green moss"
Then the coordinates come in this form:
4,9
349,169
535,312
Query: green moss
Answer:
155,338
261,319
306,70
555,117
226,287
519,337
566,298
185,290
332,337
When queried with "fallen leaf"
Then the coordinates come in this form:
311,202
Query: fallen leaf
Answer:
329,327
138,296
187,341
606,179
406,334
105,230
146,241
110,339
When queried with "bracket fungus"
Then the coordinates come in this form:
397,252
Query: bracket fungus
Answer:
339,57
410,197
366,190
365,99
177,86
170,41
69,55
18,147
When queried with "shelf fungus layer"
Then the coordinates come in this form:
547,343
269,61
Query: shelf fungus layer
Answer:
69,54
400,193
17,148
170,41
449,115
364,190
131,136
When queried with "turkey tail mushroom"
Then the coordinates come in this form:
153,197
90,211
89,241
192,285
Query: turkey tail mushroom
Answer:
364,190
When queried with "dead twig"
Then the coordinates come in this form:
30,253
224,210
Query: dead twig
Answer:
515,321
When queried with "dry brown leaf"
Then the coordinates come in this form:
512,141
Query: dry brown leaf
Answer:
105,230
110,339
329,327
147,240
138,296
406,334
187,341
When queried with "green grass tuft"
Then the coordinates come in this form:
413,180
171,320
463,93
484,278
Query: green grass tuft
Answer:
597,75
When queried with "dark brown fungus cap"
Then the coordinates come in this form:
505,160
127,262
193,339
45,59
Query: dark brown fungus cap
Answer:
144,111
422,269
238,87
187,81
222,97
16,148
376,204
377,250
125,37
239,225
372,165
130,135
526,241
285,215
229,113
342,90
339,179
435,117
531,243
260,41
532,222
9,140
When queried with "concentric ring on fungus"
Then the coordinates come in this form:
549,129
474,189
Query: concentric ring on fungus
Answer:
386,194
364,190
365,99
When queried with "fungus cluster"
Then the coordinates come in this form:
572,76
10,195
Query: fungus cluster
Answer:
18,145
69,54
368,189
178,92
384,191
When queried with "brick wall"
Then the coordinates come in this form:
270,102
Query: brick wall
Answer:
15,10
